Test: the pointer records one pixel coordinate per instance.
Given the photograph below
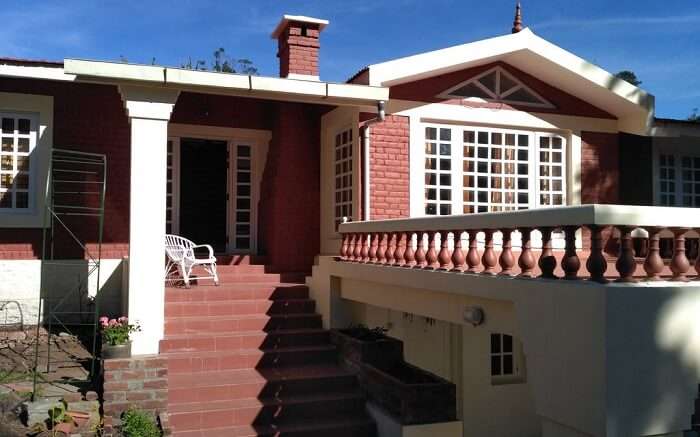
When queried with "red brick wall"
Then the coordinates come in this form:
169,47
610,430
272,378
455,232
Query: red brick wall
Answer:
226,111
425,90
599,167
289,223
389,168
298,47
89,118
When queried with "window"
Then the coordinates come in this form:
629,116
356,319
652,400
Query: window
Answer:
506,359
343,176
18,136
171,212
438,173
496,85
492,170
679,180
244,197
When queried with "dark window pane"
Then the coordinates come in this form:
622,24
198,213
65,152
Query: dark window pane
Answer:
243,243
431,194
243,217
483,137
445,164
507,364
243,190
445,209
430,133
507,343
445,195
445,149
243,151
8,125
445,180
495,343
445,134
495,365
430,209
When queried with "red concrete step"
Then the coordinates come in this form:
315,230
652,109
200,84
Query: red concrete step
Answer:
265,411
202,360
227,276
240,260
226,385
239,307
235,291
241,323
204,341
321,427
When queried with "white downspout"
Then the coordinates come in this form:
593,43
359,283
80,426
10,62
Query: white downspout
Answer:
381,115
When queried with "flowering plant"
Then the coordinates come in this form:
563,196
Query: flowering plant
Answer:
117,331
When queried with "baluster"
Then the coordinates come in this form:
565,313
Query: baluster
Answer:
697,259
457,254
391,248
473,252
653,263
365,247
596,263
358,247
626,265
374,243
570,263
444,257
400,250
547,261
420,250
526,261
381,250
431,257
488,259
409,255
344,248
679,263
506,260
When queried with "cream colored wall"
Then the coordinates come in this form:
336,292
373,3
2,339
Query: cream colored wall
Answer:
332,123
609,360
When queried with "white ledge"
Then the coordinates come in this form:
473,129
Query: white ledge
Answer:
602,215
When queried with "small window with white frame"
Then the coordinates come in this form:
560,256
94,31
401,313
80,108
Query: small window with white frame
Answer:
678,181
506,359
438,171
343,176
18,137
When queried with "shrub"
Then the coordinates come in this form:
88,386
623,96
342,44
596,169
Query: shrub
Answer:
117,331
136,423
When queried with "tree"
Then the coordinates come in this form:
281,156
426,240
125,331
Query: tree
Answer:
695,116
628,76
223,63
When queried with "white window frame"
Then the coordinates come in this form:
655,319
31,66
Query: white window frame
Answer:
497,96
518,374
457,162
15,154
40,107
350,159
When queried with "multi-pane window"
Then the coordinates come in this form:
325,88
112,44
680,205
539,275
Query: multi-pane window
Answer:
18,135
679,180
343,176
438,171
502,355
170,191
244,197
491,170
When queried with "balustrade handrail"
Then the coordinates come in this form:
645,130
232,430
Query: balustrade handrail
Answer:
392,242
558,216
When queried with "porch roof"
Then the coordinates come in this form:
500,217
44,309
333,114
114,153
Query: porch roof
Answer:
310,91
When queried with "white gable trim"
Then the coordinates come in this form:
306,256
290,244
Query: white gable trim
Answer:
498,96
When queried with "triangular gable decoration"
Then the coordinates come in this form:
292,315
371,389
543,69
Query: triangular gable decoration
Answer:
496,85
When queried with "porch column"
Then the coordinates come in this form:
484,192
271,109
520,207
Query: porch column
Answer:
149,111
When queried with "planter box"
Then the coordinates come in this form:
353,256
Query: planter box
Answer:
116,351
382,352
410,394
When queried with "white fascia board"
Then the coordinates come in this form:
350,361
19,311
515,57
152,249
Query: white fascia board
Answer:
35,72
179,76
362,92
292,86
115,70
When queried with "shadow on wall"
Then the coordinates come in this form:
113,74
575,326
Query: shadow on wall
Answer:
653,355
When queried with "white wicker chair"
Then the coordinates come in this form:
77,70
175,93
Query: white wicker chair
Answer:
181,260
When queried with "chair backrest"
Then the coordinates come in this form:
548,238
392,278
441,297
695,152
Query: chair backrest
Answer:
178,248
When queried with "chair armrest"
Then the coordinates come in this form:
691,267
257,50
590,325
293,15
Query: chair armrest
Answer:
207,246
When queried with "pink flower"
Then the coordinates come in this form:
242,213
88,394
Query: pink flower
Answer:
104,321
123,320
113,322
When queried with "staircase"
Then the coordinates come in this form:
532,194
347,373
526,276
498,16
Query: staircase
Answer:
250,358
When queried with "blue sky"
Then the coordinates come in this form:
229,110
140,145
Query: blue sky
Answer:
658,40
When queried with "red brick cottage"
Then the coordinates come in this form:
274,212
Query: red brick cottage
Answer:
266,169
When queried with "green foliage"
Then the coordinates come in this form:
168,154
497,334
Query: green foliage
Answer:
628,76
695,116
136,423
222,63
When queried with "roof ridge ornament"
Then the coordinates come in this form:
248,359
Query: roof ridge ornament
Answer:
518,21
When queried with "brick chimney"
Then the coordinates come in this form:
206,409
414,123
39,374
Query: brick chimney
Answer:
298,46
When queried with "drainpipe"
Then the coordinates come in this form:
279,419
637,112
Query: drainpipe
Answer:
381,115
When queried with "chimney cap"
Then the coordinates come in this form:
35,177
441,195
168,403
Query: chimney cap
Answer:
286,19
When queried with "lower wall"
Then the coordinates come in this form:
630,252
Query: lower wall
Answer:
21,283
140,383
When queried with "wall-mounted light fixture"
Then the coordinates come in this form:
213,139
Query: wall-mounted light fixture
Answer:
474,315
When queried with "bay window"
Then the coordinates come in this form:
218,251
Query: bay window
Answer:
479,169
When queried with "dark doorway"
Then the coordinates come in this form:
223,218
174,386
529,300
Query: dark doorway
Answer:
203,191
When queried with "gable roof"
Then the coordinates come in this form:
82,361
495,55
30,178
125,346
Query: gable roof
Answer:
532,54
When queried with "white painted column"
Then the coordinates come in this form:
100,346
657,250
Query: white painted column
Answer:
149,111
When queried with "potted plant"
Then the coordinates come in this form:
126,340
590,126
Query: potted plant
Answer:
115,337
360,344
